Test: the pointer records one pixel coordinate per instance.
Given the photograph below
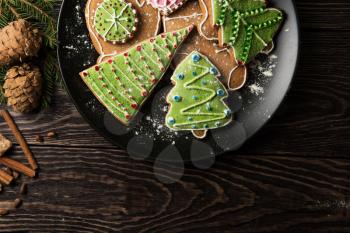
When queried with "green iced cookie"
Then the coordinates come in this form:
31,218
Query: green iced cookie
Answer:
124,82
115,21
197,99
246,25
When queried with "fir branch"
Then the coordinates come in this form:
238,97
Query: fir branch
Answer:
50,74
32,11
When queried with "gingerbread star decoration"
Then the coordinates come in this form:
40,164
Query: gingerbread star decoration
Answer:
117,25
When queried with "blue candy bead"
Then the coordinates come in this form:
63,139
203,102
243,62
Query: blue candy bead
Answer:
180,76
177,98
213,70
220,92
171,120
196,57
228,112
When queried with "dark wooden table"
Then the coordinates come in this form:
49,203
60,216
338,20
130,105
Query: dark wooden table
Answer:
294,176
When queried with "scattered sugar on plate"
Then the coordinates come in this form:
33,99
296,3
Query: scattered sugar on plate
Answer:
256,89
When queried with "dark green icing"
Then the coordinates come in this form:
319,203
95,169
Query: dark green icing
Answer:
115,20
124,82
197,99
247,25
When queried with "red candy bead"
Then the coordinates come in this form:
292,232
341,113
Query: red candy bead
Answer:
144,93
138,48
127,116
126,54
134,106
163,35
110,61
97,68
85,73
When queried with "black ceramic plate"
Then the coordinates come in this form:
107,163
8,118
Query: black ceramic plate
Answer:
269,80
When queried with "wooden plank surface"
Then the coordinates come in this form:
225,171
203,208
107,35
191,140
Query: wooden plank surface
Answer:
294,176
104,190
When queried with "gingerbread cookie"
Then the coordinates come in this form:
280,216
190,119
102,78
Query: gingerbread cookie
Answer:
197,99
124,82
116,25
204,40
115,21
246,25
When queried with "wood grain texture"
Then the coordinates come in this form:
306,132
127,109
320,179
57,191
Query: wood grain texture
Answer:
104,191
294,176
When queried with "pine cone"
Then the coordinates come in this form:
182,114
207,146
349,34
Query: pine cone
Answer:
19,40
22,87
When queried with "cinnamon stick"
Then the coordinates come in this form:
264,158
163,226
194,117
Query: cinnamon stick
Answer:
17,166
5,178
19,137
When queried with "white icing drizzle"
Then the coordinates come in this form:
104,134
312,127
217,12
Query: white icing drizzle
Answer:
159,18
99,60
203,21
115,90
230,77
126,77
194,15
140,4
112,105
221,50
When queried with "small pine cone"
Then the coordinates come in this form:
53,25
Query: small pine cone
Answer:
19,40
22,87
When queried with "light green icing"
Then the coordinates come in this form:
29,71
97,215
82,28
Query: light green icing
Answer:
247,25
124,82
194,101
115,20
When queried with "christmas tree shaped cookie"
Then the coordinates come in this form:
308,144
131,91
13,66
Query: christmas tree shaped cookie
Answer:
125,81
246,25
197,99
